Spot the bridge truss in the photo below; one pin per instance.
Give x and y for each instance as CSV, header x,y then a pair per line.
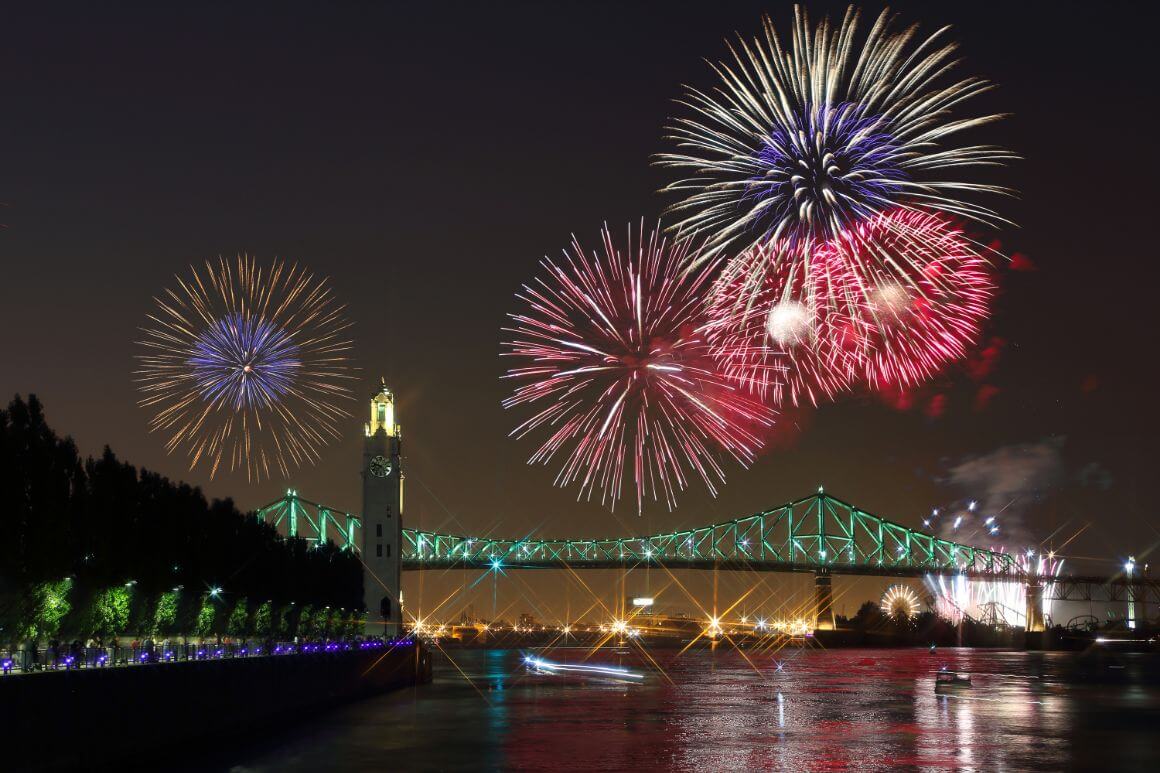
x,y
294,516
818,532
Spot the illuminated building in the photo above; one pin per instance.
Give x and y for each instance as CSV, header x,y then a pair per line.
x,y
382,510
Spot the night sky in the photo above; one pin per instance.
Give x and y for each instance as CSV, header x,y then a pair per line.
x,y
426,157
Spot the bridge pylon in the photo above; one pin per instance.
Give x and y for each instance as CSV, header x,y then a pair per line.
x,y
824,599
1034,618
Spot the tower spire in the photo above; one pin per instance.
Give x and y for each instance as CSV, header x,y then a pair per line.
x,y
382,516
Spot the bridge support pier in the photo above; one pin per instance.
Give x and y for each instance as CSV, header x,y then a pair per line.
x,y
823,600
1035,622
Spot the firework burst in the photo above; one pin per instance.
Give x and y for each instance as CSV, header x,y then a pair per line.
x,y
798,143
245,365
891,299
899,602
996,601
925,293
620,374
785,333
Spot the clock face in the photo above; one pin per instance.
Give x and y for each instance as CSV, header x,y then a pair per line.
x,y
380,467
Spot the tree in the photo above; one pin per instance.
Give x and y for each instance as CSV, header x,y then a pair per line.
x,y
105,524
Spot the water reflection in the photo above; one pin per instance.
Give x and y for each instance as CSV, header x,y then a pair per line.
x,y
720,711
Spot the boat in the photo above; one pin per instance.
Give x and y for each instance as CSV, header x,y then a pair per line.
x,y
946,678
580,672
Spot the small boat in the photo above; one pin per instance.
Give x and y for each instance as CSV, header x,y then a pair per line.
x,y
947,678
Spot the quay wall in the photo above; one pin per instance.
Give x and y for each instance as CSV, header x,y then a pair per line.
x,y
87,718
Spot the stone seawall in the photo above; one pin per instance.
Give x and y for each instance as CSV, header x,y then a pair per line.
x,y
108,716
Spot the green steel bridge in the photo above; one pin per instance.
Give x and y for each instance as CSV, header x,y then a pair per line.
x,y
819,534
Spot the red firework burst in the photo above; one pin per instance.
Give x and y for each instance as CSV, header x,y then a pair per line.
x,y
892,299
788,330
926,289
621,374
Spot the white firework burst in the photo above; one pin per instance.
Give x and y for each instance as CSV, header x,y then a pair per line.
x,y
796,142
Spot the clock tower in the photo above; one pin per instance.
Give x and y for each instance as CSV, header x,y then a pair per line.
x,y
382,515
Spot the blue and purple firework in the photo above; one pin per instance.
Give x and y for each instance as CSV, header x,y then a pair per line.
x,y
831,168
799,140
245,362
246,365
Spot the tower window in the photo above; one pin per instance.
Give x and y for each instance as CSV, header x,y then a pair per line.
x,y
388,551
378,530
379,550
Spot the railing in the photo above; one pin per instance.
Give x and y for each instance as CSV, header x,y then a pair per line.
x,y
67,658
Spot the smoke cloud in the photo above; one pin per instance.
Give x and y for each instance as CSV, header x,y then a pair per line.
x,y
1010,479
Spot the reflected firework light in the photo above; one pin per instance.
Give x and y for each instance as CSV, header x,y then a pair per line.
x,y
246,364
800,140
615,363
786,334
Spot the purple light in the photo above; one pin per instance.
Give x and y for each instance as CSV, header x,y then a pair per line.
x,y
244,362
851,174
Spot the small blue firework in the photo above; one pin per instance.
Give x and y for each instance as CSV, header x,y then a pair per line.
x,y
246,366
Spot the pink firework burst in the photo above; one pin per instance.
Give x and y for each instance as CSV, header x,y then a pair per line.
x,y
926,293
614,361
787,330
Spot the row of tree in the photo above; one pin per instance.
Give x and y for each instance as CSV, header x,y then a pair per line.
x,y
94,546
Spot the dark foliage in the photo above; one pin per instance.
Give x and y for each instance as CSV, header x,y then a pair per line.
x,y
104,523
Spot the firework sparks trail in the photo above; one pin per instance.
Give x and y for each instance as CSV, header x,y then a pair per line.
x,y
957,597
926,291
798,142
615,363
784,333
891,299
246,365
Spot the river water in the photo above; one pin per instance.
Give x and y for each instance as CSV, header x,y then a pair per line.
x,y
799,709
